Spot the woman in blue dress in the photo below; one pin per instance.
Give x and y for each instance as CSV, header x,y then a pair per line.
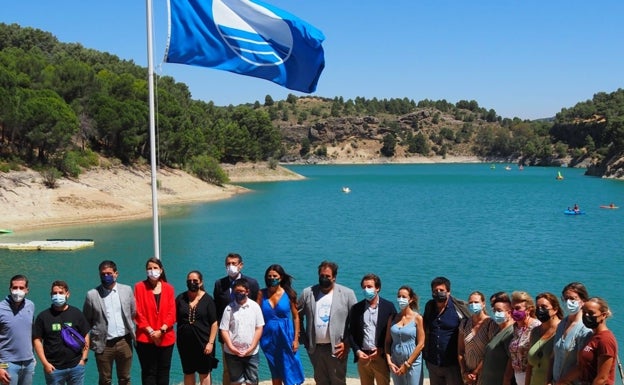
x,y
405,340
278,342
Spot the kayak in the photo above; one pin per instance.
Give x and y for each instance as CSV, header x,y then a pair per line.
x,y
573,212
609,207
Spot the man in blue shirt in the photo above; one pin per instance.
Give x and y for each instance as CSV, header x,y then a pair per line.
x,y
17,362
442,316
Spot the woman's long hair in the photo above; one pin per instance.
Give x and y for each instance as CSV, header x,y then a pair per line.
x,y
285,281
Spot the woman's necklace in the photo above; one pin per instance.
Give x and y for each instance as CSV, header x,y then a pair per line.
x,y
193,308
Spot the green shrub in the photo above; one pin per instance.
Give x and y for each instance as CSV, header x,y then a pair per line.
x,y
50,177
273,163
321,151
73,162
208,169
69,164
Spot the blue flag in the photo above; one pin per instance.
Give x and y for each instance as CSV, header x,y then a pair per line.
x,y
246,37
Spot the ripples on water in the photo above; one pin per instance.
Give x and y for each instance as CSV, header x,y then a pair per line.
x,y
484,229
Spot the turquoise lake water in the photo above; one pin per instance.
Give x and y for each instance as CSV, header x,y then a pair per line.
x,y
484,229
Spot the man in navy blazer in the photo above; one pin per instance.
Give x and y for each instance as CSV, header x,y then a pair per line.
x,y
368,322
324,311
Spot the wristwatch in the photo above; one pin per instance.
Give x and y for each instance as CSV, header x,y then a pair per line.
x,y
84,360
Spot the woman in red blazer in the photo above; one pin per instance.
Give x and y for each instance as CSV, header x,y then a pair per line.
x,y
155,316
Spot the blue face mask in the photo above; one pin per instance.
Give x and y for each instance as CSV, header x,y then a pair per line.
x,y
59,300
240,297
107,280
369,293
500,317
272,282
475,308
402,302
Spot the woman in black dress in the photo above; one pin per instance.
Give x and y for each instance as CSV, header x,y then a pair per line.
x,y
197,330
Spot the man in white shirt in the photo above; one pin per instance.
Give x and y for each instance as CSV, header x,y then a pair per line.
x,y
324,311
241,329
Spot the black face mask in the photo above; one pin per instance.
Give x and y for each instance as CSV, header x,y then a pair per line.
x,y
590,321
542,315
325,282
192,286
272,282
439,296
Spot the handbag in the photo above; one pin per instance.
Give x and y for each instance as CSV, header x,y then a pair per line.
x,y
72,338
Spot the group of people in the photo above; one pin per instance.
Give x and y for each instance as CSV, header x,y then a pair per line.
x,y
524,342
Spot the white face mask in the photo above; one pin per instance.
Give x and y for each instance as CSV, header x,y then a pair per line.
x,y
573,306
153,274
18,295
232,271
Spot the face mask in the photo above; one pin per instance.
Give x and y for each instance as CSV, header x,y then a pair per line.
x,y
573,306
232,271
107,280
272,282
192,286
590,321
240,297
325,282
439,296
542,314
475,308
500,317
518,315
59,300
153,274
369,293
18,295
403,302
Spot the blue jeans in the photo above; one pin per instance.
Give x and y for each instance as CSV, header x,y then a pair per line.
x,y
73,376
21,372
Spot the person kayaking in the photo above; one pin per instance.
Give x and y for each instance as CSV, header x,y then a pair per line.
x,y
576,208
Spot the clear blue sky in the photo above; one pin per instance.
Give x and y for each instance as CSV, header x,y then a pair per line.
x,y
526,59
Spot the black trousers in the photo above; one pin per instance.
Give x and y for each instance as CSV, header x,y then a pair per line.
x,y
155,363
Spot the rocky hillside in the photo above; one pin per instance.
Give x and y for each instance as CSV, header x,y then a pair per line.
x,y
333,130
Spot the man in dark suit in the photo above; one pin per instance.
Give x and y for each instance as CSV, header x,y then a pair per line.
x,y
368,322
223,294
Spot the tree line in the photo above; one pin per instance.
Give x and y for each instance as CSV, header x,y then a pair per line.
x,y
61,99
62,104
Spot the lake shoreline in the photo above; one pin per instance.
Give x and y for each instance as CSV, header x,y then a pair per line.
x,y
123,193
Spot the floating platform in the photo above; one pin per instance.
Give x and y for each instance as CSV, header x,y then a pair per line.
x,y
50,245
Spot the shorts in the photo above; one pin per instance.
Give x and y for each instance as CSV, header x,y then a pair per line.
x,y
243,370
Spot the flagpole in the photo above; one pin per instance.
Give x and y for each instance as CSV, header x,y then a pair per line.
x,y
152,129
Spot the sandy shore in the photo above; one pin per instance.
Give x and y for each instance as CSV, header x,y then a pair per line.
x,y
124,193
115,194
